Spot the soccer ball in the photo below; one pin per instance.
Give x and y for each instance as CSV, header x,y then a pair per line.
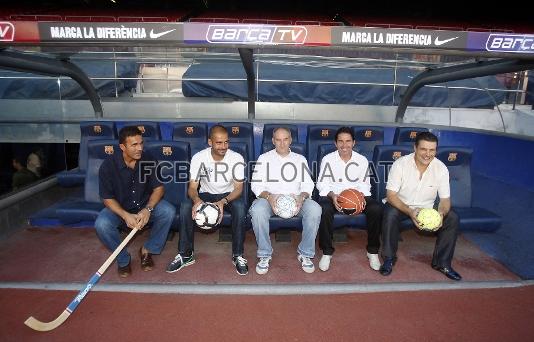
x,y
286,206
429,219
207,215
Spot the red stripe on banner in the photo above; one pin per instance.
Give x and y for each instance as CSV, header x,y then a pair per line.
x,y
26,32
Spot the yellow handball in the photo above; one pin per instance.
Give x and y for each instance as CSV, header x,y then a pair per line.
x,y
429,219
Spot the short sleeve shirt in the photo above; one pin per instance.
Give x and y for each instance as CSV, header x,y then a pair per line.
x,y
217,177
418,192
130,187
337,175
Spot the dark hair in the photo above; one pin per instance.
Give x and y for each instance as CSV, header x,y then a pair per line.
x,y
344,129
217,127
128,131
426,136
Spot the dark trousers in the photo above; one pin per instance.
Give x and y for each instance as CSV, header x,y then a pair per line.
x,y
373,212
236,208
446,236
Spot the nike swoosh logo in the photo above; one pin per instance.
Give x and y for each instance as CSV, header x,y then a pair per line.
x,y
439,42
157,35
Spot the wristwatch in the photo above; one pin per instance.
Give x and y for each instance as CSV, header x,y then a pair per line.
x,y
150,209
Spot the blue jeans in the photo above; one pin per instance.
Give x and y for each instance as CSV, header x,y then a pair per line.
x,y
261,211
108,223
187,231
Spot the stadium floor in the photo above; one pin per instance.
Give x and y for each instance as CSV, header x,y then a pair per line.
x,y
44,267
64,255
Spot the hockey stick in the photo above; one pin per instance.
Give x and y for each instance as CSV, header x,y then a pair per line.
x,y
35,324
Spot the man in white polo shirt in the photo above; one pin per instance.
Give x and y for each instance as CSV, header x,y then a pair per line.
x,y
282,172
220,173
414,182
340,170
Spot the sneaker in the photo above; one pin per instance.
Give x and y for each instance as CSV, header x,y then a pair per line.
x,y
180,262
263,265
374,261
306,263
240,264
324,264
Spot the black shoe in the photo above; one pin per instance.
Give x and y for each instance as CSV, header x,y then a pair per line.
x,y
449,272
387,266
125,271
240,265
180,262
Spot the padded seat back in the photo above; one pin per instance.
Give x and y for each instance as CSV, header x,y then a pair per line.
x,y
458,161
98,151
318,135
367,137
93,130
241,132
194,133
173,167
406,135
383,158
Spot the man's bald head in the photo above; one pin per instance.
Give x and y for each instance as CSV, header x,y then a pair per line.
x,y
217,129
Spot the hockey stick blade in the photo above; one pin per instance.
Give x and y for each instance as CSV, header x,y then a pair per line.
x,y
35,324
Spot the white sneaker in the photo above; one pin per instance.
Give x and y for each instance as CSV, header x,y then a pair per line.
x,y
262,266
306,263
374,261
324,264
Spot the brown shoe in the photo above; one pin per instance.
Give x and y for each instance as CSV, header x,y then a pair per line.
x,y
125,271
146,260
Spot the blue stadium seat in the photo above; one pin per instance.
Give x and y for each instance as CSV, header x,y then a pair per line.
x,y
88,208
458,161
367,137
173,166
406,135
383,158
268,132
241,132
90,130
340,220
195,133
318,135
150,129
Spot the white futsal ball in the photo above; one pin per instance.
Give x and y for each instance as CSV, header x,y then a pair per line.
x,y
207,215
286,206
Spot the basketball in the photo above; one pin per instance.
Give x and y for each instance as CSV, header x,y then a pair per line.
x,y
429,219
286,206
351,201
207,215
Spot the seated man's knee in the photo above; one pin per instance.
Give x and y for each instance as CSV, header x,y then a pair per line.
x,y
259,210
166,208
453,218
375,209
186,207
103,224
238,208
312,208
